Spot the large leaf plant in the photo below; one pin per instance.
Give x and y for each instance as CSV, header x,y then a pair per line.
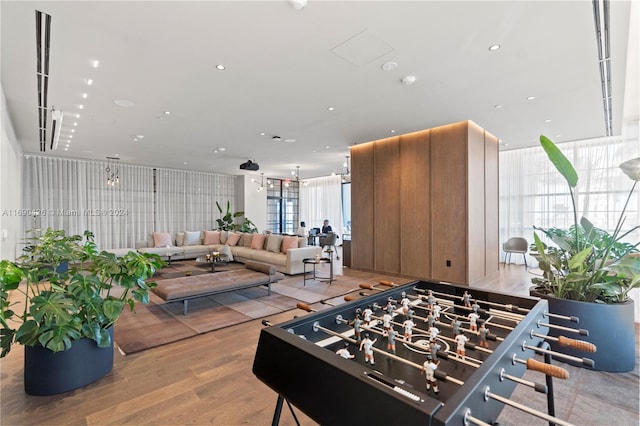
x,y
69,290
587,264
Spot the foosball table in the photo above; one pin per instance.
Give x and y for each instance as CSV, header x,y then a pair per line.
x,y
409,334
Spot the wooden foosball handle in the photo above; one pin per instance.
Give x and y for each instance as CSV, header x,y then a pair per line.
x,y
580,345
548,369
387,283
304,307
366,286
349,298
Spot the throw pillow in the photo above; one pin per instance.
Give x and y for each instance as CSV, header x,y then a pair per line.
x,y
191,238
233,239
161,239
179,239
211,237
257,242
274,243
223,237
289,242
246,239
226,250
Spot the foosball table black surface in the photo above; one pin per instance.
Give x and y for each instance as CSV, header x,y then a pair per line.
x,y
298,359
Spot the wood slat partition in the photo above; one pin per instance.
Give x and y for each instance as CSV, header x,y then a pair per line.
x,y
415,202
387,206
425,204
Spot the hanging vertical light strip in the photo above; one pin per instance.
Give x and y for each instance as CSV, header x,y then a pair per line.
x,y
43,42
113,171
601,20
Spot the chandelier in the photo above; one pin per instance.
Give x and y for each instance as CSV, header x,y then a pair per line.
x,y
261,184
113,171
346,171
296,177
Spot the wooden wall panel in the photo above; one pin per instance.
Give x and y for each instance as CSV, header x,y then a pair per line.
x,y
476,201
362,208
415,202
492,200
386,215
449,202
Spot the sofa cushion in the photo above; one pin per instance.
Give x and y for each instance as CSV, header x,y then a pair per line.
x,y
211,237
162,239
192,238
246,239
233,239
223,237
226,250
274,242
257,242
289,242
180,239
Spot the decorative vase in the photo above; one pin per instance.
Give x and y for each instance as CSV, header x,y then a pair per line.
x,y
611,328
50,373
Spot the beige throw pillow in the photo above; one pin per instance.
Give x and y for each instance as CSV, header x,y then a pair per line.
x,y
162,239
274,243
191,238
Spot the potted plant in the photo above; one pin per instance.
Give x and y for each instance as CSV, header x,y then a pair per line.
x,y
589,273
66,314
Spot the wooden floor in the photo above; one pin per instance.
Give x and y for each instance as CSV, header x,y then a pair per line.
x,y
206,379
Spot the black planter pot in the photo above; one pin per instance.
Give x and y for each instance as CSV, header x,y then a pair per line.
x,y
611,328
50,373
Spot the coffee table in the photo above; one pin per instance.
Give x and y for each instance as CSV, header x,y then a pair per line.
x,y
211,260
317,261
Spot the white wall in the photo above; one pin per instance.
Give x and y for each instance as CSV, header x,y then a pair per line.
x,y
253,203
11,163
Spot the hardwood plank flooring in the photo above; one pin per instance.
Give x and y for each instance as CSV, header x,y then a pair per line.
x,y
207,379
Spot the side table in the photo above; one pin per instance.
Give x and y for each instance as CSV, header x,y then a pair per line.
x,y
315,262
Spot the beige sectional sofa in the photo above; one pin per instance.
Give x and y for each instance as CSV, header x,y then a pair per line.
x,y
282,251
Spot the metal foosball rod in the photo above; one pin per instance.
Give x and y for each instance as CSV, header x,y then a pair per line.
x,y
538,387
506,306
587,362
564,317
548,369
580,331
490,395
580,345
469,419
439,374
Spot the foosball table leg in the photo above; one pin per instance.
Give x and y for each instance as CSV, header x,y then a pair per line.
x,y
278,411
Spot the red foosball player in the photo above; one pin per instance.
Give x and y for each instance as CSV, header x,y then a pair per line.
x,y
461,339
483,332
429,369
344,352
368,348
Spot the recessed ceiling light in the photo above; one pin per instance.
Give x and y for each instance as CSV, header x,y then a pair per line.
x,y
123,103
389,66
80,106
84,95
393,131
557,136
327,147
221,67
290,140
494,47
73,130
95,63
222,149
262,134
135,139
75,124
89,82
70,136
185,163
140,136
167,113
330,108
408,80
530,98
66,149
497,106
547,120
77,115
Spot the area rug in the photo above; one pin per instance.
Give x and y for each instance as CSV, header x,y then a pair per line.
x,y
159,323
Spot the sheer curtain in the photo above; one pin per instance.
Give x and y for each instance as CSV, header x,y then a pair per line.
x,y
186,201
321,199
73,195
532,192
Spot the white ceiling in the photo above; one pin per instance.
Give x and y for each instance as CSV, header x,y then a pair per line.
x,y
285,67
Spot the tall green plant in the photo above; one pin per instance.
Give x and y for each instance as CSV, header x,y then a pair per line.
x,y
60,305
226,221
589,264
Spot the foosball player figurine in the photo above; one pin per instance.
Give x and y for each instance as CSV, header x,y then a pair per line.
x,y
473,321
436,310
466,299
344,352
433,332
357,327
410,313
430,320
455,325
408,328
431,299
461,339
428,369
475,306
368,348
390,308
483,332
434,347
386,323
405,304
366,314
391,342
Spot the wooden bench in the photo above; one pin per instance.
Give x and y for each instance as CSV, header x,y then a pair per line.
x,y
183,289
